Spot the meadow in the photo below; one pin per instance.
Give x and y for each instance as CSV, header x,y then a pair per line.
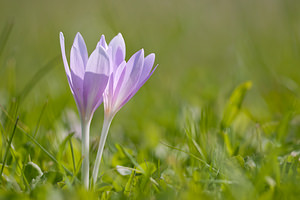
x,y
218,119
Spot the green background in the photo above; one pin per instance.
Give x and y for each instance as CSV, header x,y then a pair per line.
x,y
204,49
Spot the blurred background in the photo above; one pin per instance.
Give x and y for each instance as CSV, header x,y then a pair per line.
x,y
204,48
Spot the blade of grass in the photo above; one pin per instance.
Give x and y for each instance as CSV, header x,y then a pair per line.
x,y
39,119
73,157
38,76
131,158
5,35
46,152
20,124
38,144
8,147
192,155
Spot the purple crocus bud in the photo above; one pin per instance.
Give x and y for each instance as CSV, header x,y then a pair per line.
x,y
125,80
88,78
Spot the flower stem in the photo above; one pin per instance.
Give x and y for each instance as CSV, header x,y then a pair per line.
x,y
85,131
105,128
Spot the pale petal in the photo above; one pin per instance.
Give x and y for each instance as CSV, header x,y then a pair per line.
x,y
102,42
76,62
148,64
63,52
98,62
80,45
117,74
134,68
119,79
77,74
95,80
94,86
140,84
117,45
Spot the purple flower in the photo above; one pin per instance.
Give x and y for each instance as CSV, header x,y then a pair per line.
x,y
125,80
87,76
126,77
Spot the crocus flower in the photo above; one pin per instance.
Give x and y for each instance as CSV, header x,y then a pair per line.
x,y
125,80
88,78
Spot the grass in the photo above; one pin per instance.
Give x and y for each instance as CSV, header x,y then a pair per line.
x,y
219,119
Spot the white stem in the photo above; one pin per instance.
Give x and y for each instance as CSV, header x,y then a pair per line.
x,y
85,133
105,128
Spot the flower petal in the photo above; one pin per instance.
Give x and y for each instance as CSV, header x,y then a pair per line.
x,y
118,79
134,68
63,52
139,85
118,49
80,45
148,64
102,42
98,62
77,74
95,80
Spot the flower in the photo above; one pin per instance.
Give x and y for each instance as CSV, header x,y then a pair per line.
x,y
125,80
126,77
87,76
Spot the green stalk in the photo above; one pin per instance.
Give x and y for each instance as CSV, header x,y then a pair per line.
x,y
85,132
105,128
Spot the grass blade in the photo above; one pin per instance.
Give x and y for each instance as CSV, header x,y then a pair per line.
x,y
39,120
38,144
38,76
8,147
192,155
73,156
5,35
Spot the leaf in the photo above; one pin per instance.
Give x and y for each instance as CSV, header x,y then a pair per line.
x,y
130,185
123,170
234,104
147,167
52,177
32,171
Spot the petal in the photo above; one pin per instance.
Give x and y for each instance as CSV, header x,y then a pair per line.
x,y
119,79
134,68
148,64
102,42
77,74
94,86
141,83
75,82
80,45
76,63
117,74
138,87
95,80
97,62
78,58
117,45
63,52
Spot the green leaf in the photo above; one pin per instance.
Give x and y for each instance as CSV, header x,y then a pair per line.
x,y
130,185
52,177
147,167
234,104
32,171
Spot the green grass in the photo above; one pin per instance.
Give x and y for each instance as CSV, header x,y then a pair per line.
x,y
219,119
